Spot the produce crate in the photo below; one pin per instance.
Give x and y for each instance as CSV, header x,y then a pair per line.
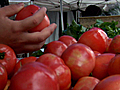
x,y
88,21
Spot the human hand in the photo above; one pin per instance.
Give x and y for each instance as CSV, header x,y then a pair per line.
x,y
15,33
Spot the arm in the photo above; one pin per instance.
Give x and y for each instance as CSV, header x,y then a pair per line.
x,y
15,33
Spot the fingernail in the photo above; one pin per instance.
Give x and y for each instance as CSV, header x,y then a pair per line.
x,y
20,4
45,9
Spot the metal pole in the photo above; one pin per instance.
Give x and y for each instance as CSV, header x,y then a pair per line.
x,y
61,12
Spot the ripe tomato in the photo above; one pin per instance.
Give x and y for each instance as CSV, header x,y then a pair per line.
x,y
109,40
24,61
109,83
68,40
3,77
114,65
34,76
80,59
95,38
62,71
29,11
7,58
55,47
50,59
114,46
86,83
101,65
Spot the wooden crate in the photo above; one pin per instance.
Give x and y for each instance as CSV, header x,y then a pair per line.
x,y
88,21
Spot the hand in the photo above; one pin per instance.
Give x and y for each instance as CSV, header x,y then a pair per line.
x,y
15,33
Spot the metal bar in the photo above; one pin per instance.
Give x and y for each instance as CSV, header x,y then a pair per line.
x,y
61,12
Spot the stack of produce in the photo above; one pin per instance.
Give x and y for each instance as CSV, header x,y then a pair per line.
x,y
90,62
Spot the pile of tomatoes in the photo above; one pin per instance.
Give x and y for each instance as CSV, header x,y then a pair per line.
x,y
91,63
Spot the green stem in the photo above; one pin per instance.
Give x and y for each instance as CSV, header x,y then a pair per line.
x,y
2,55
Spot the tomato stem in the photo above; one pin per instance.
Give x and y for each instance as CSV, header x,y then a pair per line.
x,y
2,55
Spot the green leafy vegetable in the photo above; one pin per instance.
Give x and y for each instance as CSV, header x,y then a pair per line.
x,y
37,53
109,27
75,30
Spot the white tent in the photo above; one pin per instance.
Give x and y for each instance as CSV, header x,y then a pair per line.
x,y
54,5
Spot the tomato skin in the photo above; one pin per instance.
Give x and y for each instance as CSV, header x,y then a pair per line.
x,y
34,76
55,47
114,65
58,66
29,11
109,40
68,40
109,83
3,77
101,65
51,59
80,59
86,83
9,60
114,46
24,61
95,38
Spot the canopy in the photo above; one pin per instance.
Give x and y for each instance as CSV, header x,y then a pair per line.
x,y
54,5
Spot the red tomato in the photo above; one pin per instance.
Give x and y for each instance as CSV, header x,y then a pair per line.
x,y
50,59
34,76
3,77
24,61
114,46
29,11
114,65
68,40
57,65
55,47
109,83
7,57
101,65
108,44
80,59
86,83
95,38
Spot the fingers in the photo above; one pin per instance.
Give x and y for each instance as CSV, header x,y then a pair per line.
x,y
37,37
11,9
29,48
32,21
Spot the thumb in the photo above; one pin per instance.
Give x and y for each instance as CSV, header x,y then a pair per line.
x,y
11,10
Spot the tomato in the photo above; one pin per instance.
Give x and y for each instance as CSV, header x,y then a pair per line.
x,y
24,61
86,83
114,46
34,76
62,71
29,11
101,65
80,59
114,65
109,83
55,47
3,77
7,58
95,38
68,40
109,40
50,59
